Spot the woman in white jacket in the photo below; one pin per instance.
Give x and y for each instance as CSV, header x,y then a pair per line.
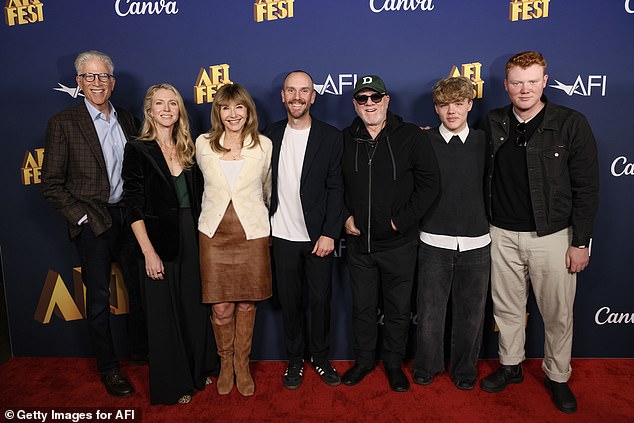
x,y
234,229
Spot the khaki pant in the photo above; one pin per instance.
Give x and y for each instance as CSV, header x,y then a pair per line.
x,y
517,260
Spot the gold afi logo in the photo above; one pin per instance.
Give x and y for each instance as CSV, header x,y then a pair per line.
x,y
270,10
55,297
22,12
208,82
31,170
528,9
471,71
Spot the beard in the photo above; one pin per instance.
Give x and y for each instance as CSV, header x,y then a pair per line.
x,y
296,113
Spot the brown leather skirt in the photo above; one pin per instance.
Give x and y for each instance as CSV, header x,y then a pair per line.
x,y
233,268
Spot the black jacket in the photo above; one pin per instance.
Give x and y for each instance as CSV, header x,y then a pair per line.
x,y
149,195
321,185
399,184
563,169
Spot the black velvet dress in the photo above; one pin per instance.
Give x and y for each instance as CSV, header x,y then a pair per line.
x,y
181,342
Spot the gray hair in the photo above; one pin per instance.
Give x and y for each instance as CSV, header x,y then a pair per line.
x,y
85,56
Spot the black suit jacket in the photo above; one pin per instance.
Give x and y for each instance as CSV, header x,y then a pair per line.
x,y
321,185
74,173
150,195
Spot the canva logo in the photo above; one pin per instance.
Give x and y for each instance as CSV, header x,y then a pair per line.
x,y
378,6
21,12
336,85
628,8
271,10
583,87
605,316
133,7
620,167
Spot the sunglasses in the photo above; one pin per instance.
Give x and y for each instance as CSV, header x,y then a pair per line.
x,y
521,140
362,99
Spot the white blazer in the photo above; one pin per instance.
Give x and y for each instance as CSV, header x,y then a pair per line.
x,y
251,194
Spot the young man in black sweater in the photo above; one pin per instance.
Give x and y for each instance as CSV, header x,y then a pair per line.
x,y
454,253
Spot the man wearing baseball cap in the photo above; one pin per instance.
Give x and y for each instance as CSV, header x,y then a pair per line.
x,y
391,179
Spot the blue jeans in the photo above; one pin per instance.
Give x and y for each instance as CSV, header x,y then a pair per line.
x,y
465,276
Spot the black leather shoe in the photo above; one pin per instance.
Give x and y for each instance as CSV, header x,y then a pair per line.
x,y
116,385
563,398
504,375
398,380
356,374
465,384
421,378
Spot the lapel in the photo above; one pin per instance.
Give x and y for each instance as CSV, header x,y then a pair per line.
x,y
276,135
87,128
156,159
312,147
252,158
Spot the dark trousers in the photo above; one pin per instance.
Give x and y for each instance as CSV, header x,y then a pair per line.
x,y
294,266
464,275
96,254
391,272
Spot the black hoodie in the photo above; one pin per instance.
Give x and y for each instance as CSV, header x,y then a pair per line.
x,y
394,177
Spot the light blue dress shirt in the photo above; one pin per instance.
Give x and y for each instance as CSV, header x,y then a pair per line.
x,y
112,140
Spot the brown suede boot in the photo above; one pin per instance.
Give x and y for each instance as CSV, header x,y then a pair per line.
x,y
224,340
244,334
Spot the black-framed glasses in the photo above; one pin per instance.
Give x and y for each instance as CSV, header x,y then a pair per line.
x,y
362,99
89,77
521,140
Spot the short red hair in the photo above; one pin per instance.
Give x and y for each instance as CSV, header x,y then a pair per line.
x,y
526,59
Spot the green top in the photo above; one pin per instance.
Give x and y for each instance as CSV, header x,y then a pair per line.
x,y
180,183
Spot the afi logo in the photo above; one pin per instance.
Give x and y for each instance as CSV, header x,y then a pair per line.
x,y
528,9
23,12
31,170
585,90
270,10
473,72
73,92
336,85
209,82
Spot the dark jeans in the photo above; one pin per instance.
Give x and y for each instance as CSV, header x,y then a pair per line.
x,y
464,275
295,264
96,254
392,273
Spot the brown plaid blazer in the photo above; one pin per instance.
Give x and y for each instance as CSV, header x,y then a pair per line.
x,y
74,174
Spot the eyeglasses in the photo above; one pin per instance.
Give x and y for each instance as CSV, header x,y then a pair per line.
x,y
376,98
521,140
89,77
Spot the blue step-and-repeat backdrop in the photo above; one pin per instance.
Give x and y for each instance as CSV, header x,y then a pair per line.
x,y
197,45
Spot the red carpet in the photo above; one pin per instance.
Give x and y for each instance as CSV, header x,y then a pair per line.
x,y
604,390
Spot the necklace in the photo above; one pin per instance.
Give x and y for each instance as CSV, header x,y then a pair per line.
x,y
234,151
168,152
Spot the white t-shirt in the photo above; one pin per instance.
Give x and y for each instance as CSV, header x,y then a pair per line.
x,y
231,169
288,221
